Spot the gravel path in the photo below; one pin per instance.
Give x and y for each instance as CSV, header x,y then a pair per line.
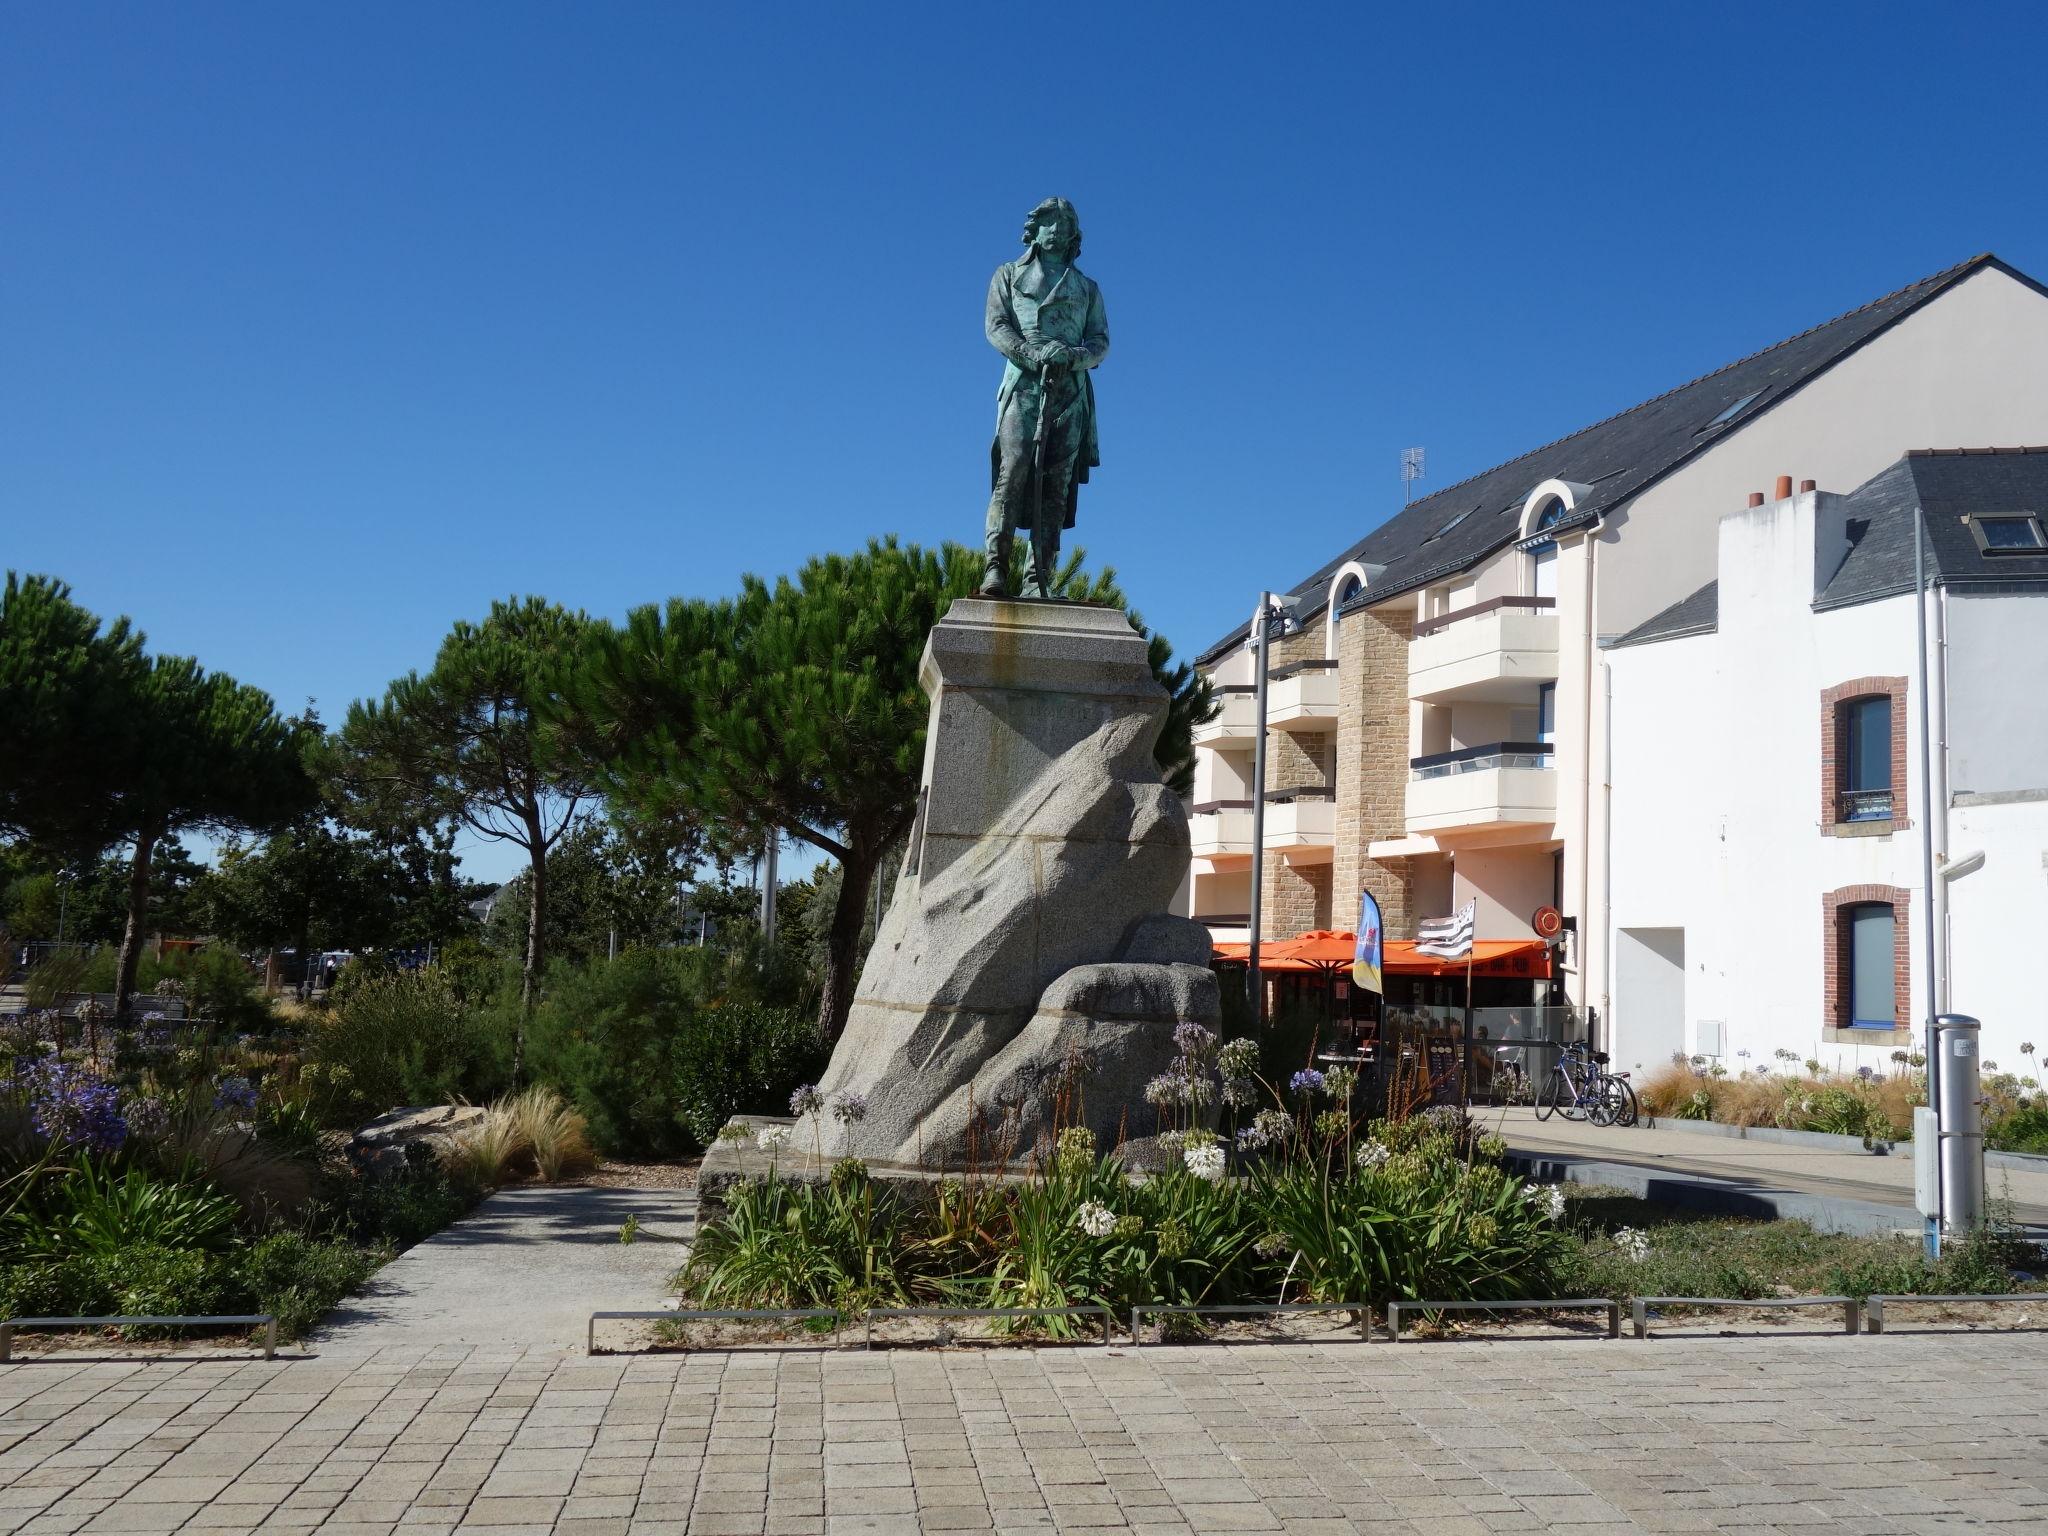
x,y
526,1268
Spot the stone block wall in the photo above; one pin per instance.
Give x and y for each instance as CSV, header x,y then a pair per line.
x,y
1372,767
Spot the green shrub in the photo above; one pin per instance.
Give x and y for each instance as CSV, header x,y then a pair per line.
x,y
298,1278
389,1214
657,1048
148,1279
2023,1130
403,1039
738,1059
90,1211
75,1287
605,1034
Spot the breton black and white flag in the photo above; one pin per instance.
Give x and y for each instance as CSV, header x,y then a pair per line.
x,y
1448,938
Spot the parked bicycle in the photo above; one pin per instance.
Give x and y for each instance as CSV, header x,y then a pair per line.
x,y
1581,1088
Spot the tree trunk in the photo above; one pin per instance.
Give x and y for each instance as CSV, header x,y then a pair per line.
x,y
536,918
865,850
138,918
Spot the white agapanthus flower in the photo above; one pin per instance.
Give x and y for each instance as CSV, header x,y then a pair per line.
x,y
1371,1154
772,1138
1634,1243
1547,1198
1095,1218
1204,1162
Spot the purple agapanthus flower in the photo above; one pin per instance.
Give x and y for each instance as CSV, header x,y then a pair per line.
x,y
1307,1080
234,1093
1192,1038
71,1106
806,1100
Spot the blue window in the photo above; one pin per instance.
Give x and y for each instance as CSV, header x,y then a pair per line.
x,y
1866,759
1872,1002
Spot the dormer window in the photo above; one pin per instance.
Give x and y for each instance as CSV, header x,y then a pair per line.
x,y
1543,555
2015,533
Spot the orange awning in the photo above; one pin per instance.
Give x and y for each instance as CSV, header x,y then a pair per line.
x,y
1326,951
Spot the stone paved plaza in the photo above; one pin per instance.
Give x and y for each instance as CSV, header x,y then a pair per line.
x,y
1808,1433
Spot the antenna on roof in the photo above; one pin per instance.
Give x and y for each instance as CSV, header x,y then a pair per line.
x,y
1411,471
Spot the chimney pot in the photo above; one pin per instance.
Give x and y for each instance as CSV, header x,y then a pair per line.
x,y
1784,488
1807,485
1756,498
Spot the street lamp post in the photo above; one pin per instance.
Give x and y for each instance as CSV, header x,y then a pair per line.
x,y
1273,619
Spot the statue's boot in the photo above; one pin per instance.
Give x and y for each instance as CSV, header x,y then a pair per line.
x,y
996,570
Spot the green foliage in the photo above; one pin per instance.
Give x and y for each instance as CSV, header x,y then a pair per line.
x,y
658,1048
741,1058
1425,1220
606,884
389,1214
469,742
2022,1130
67,693
93,1212
315,887
402,1038
840,1244
299,1279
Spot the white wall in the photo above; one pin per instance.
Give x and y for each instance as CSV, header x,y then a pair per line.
x,y
1716,801
1997,697
1649,989
1998,916
1508,884
1969,369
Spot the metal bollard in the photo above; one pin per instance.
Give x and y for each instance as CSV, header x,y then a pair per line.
x,y
1962,1122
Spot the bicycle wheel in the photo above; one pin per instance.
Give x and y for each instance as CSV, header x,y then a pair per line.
x,y
1601,1104
1548,1100
1624,1102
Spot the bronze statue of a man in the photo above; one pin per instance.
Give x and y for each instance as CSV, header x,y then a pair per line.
x,y
1046,318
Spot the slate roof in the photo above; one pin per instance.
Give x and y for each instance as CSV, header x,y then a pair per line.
x,y
1694,615
1948,484
1453,529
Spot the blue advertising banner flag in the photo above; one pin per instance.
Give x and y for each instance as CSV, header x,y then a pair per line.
x,y
1365,960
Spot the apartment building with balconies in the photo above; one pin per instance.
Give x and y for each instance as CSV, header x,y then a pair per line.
x,y
1449,717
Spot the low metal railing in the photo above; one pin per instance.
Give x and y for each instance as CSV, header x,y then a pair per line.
x,y
1873,1306
677,1315
1108,1318
1565,1304
1363,1310
267,1321
1639,1309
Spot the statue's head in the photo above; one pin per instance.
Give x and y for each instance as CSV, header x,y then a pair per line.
x,y
1054,226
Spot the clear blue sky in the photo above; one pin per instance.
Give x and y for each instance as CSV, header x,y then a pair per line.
x,y
323,326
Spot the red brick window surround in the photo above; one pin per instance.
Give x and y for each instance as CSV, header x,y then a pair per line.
x,y
1843,814
1837,936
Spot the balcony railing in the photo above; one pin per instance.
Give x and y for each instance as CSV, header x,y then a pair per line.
x,y
1863,805
1234,719
1499,754
1220,828
1491,605
1493,788
1303,696
1496,651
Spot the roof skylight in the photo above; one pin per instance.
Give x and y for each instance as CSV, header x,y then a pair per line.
x,y
1731,412
1447,527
